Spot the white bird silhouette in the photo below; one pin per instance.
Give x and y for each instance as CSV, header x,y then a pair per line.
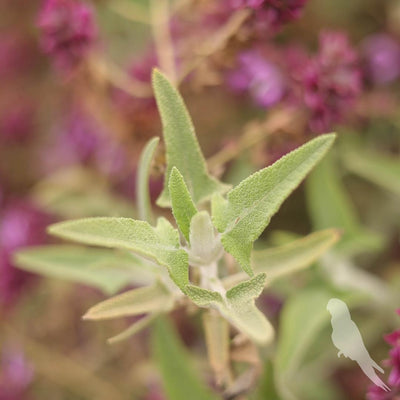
x,y
348,340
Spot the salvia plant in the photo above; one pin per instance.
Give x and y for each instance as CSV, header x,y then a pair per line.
x,y
189,262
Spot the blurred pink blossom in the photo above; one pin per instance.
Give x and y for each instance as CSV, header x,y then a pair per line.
x,y
382,58
21,224
258,77
330,81
68,31
377,393
15,374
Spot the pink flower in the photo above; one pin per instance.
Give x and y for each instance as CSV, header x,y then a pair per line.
x,y
82,139
382,58
258,77
21,225
331,81
15,374
377,393
68,31
268,15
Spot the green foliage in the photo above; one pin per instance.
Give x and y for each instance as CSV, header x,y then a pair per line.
x,y
155,298
160,244
289,258
302,319
292,257
237,221
182,204
379,169
106,270
183,150
330,207
142,183
252,203
180,380
205,247
238,307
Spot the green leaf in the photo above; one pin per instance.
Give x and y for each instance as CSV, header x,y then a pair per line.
x,y
238,307
379,169
142,184
180,380
301,321
155,298
205,246
247,290
183,150
203,297
105,269
133,329
254,201
160,244
182,204
330,207
287,259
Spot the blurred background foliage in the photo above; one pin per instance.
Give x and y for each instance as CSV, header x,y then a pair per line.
x,y
259,78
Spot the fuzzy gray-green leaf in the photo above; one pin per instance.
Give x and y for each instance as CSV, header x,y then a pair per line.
x,y
160,244
105,269
182,147
182,204
142,182
253,202
238,307
155,298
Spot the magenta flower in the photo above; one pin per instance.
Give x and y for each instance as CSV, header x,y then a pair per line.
x,y
255,4
331,81
21,225
15,374
377,393
68,31
81,139
17,122
268,16
258,77
382,58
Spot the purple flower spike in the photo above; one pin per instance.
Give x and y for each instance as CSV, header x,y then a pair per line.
x,y
382,58
68,31
331,81
377,393
258,77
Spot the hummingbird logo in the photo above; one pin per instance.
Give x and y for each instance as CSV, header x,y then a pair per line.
x,y
348,340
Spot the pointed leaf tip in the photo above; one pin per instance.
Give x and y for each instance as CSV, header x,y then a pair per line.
x,y
182,148
183,207
251,204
